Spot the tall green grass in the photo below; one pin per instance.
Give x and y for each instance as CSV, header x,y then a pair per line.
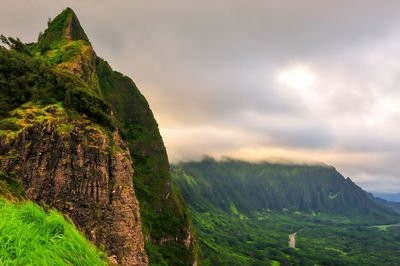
x,y
29,235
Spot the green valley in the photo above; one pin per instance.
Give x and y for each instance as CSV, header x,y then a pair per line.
x,y
244,213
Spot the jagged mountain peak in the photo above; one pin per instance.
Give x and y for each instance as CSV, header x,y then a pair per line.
x,y
65,26
64,44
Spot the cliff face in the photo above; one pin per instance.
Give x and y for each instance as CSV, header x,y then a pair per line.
x,y
76,167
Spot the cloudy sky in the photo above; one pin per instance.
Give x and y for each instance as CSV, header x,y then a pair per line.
x,y
300,80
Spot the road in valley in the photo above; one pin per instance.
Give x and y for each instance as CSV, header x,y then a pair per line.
x,y
292,242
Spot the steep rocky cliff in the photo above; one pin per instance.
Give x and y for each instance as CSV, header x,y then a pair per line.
x,y
79,169
81,137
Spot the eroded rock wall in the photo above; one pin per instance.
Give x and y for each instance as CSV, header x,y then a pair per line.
x,y
82,170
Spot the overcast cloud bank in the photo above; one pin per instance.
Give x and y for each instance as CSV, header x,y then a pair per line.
x,y
307,81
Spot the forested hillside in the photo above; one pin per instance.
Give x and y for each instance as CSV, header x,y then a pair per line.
x,y
244,213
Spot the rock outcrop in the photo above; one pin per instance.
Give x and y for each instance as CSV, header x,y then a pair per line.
x,y
82,170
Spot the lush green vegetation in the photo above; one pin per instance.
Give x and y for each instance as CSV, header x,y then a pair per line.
x,y
244,213
29,235
24,78
163,212
324,239
63,51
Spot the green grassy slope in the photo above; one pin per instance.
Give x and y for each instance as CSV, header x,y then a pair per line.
x,y
244,212
29,235
32,235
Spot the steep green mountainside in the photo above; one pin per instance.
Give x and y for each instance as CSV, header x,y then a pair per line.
x,y
244,213
62,72
164,214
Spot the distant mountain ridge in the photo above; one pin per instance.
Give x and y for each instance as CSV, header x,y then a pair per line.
x,y
394,197
394,206
247,187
